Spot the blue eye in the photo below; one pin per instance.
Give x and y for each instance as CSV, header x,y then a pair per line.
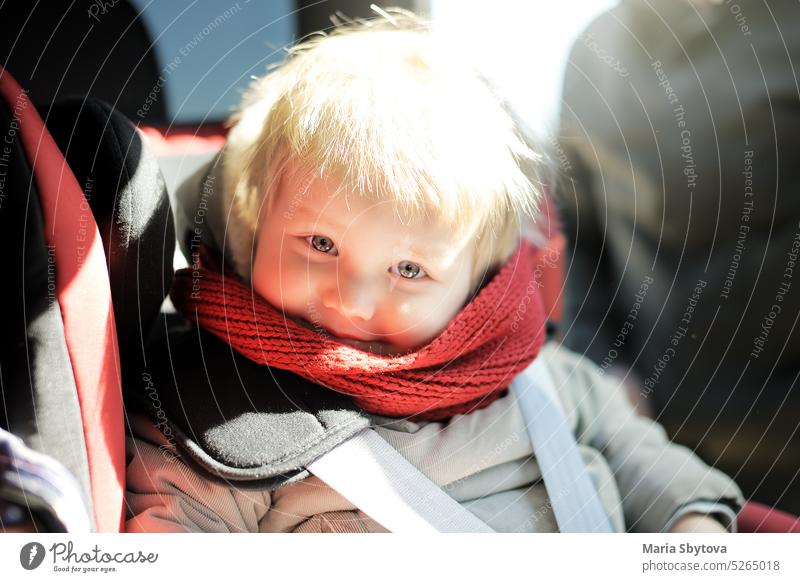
x,y
323,244
409,270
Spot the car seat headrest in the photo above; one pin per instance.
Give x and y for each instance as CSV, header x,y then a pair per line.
x,y
127,195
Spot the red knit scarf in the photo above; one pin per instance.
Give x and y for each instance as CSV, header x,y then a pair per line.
x,y
496,336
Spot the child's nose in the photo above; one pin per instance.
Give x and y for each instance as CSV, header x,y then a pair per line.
x,y
352,300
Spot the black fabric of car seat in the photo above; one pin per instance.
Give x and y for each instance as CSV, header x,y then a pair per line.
x,y
239,420
128,198
38,396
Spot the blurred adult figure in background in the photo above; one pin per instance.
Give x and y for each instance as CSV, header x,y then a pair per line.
x,y
681,200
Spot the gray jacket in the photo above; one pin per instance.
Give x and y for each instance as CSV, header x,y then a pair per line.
x,y
484,460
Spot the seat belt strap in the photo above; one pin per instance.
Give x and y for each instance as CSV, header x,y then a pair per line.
x,y
573,497
373,476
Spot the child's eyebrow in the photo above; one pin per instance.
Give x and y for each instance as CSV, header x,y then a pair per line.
x,y
317,218
426,253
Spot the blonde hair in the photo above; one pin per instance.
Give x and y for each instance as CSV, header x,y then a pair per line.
x,y
392,114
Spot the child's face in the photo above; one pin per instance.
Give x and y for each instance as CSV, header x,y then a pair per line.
x,y
349,266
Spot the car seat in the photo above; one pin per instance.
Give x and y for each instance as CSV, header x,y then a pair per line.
x,y
82,231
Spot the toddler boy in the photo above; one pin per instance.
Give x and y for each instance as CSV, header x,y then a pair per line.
x,y
370,200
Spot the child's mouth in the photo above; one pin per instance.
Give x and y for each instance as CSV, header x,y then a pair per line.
x,y
379,348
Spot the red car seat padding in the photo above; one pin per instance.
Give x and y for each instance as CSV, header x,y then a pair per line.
x,y
758,518
83,293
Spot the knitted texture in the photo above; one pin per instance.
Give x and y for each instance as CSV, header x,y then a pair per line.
x,y
467,366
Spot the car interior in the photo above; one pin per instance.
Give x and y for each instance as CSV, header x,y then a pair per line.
x,y
86,215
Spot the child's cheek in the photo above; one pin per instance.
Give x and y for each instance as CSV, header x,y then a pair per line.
x,y
296,284
279,279
418,321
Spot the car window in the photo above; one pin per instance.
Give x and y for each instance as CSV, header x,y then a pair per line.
x,y
207,51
